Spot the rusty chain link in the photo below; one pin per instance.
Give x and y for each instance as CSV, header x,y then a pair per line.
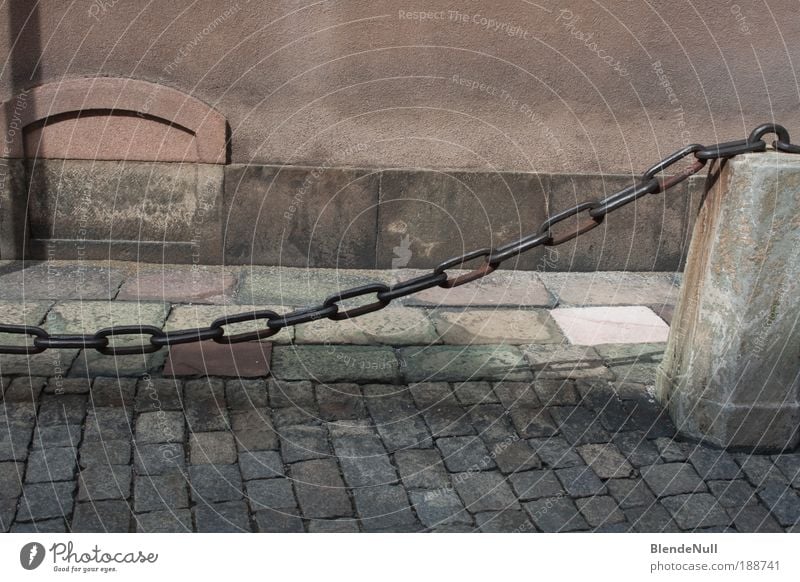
x,y
595,212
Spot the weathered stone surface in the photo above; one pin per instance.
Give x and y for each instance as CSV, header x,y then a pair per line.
x,y
260,465
672,479
580,482
55,280
556,452
213,483
492,424
11,476
484,491
498,326
102,482
160,427
473,393
270,494
335,363
439,507
610,288
301,443
730,373
212,448
556,514
396,418
282,521
606,461
168,521
754,519
245,394
501,288
630,493
513,456
600,510
160,492
736,493
696,510
320,489
422,469
463,454
194,316
51,464
226,517
565,361
112,424
208,358
459,364
332,526
341,401
536,485
635,363
397,326
153,394
315,217
102,517
783,502
41,501
511,521
155,459
384,508
591,326
195,284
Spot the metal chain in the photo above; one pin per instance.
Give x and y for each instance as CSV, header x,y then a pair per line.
x,y
593,212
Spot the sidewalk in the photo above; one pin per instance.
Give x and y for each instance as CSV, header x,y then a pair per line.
x,y
520,403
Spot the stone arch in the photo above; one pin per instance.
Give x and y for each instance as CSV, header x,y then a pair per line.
x,y
110,118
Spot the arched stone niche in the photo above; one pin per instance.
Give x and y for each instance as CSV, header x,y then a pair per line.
x,y
111,168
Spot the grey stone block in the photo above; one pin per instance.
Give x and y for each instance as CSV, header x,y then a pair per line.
x,y
103,482
102,517
696,510
383,508
278,521
160,492
212,483
105,453
556,514
260,465
672,479
320,489
301,443
226,517
270,494
56,464
512,521
422,469
155,459
536,485
460,364
484,491
167,521
42,501
580,482
439,507
462,454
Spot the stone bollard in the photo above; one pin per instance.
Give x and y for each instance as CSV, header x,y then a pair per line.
x,y
731,372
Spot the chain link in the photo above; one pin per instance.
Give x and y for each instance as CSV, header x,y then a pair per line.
x,y
491,259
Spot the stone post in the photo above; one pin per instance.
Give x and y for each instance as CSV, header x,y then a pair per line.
x,y
731,372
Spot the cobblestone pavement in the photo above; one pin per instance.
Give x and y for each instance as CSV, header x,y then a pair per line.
x,y
523,404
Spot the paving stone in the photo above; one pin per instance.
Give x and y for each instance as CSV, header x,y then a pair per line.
x,y
57,410
695,510
514,456
244,394
736,493
633,362
114,452
610,288
14,441
209,358
8,507
63,435
335,363
300,287
160,492
560,361
24,389
614,417
422,469
154,394
606,461
226,517
754,519
42,501
102,517
536,485
511,521
11,477
789,465
713,464
333,526
54,281
556,452
439,507
270,494
104,482
591,326
557,392
22,413
205,405
578,425
367,470
40,526
113,392
484,491
103,424
672,479
213,483
397,420
213,448
783,502
630,493
673,451
556,514
52,464
157,459
200,284
649,417
600,510
168,521
60,386
253,430
396,326
447,420
301,443
292,416
517,395
90,364
260,465
637,449
533,422
340,402
651,519
44,364
580,482
160,427
492,423
291,394
463,454
278,521
511,326
427,394
383,507
320,489
760,470
474,393
463,363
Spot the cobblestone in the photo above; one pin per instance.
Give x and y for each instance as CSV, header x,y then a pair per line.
x,y
580,482
695,510
42,501
606,461
270,494
736,493
213,483
783,502
463,364
156,459
511,521
213,448
556,452
260,465
52,464
104,482
102,516
463,454
672,479
301,443
168,491
320,489
439,508
63,435
278,521
484,491
422,469
384,507
600,510
167,521
226,517
536,485
114,452
556,514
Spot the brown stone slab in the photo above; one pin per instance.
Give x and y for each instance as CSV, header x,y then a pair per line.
x,y
244,360
212,285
